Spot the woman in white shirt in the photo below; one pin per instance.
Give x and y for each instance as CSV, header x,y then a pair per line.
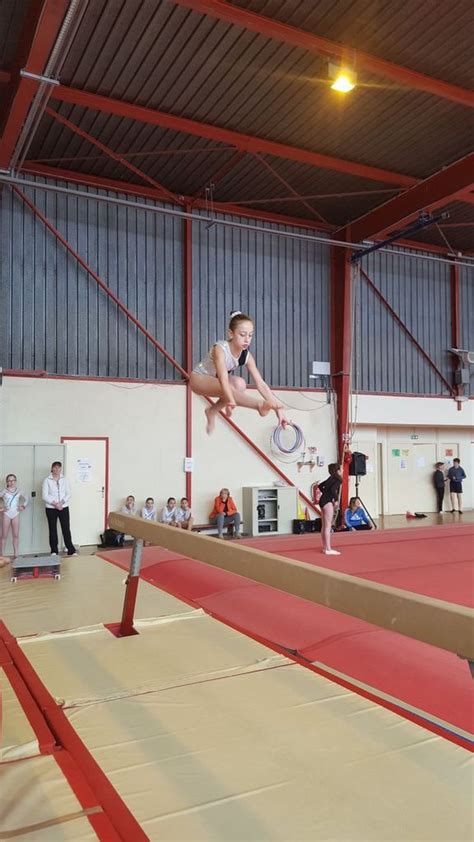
x,y
56,495
13,501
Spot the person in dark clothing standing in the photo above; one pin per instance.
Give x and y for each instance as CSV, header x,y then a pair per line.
x,y
456,475
439,481
328,501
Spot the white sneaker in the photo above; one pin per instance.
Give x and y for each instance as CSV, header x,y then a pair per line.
x,y
53,554
331,552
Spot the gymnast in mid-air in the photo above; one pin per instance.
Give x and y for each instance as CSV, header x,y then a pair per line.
x,y
213,376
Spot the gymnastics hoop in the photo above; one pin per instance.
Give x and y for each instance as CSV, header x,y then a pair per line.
x,y
276,442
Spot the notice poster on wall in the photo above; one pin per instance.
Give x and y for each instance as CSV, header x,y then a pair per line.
x,y
403,464
405,453
369,467
83,470
420,462
395,451
449,452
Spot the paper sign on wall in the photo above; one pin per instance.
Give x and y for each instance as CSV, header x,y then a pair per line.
x,y
83,470
405,453
369,467
420,462
448,452
395,451
403,464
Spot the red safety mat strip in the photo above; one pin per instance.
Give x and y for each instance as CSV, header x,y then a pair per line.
x,y
89,783
413,672
44,735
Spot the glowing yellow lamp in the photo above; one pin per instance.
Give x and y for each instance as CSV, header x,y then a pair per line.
x,y
343,83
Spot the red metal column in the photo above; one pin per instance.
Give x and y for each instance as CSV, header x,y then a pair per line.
x,y
50,17
188,346
455,324
341,349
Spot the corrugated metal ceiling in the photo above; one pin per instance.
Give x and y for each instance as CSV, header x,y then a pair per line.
x,y
178,61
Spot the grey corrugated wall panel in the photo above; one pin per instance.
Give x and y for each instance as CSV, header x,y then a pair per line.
x,y
54,314
386,360
466,306
466,318
283,284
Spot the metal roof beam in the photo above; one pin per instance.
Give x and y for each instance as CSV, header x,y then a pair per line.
x,y
166,194
104,183
42,33
244,142
288,186
439,189
286,34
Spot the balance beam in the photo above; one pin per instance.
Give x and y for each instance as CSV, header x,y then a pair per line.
x,y
433,621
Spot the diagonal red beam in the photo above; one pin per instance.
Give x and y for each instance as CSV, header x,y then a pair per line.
x,y
151,338
121,306
288,186
245,142
437,190
286,34
168,194
221,173
408,332
297,198
50,18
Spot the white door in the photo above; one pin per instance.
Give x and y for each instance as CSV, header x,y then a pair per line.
x,y
30,463
86,470
410,477
44,455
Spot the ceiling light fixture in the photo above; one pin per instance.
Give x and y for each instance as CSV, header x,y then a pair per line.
x,y
344,79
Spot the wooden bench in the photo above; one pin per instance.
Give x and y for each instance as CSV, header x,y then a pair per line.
x,y
210,527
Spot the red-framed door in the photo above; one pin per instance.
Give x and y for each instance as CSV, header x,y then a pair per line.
x,y
86,466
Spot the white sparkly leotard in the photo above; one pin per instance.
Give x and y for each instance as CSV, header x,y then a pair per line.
x,y
12,501
208,366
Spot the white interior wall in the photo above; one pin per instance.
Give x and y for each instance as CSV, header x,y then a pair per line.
x,y
146,427
145,424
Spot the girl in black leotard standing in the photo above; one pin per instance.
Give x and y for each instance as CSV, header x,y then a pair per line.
x,y
330,495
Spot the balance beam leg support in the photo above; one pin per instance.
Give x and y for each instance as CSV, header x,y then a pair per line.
x,y
423,618
128,613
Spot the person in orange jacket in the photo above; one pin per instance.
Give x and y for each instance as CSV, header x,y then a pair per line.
x,y
224,513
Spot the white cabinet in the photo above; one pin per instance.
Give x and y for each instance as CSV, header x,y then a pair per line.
x,y
269,509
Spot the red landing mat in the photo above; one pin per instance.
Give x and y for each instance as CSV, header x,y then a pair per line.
x,y
432,561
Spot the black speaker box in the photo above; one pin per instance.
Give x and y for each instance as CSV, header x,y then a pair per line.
x,y
357,465
301,526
